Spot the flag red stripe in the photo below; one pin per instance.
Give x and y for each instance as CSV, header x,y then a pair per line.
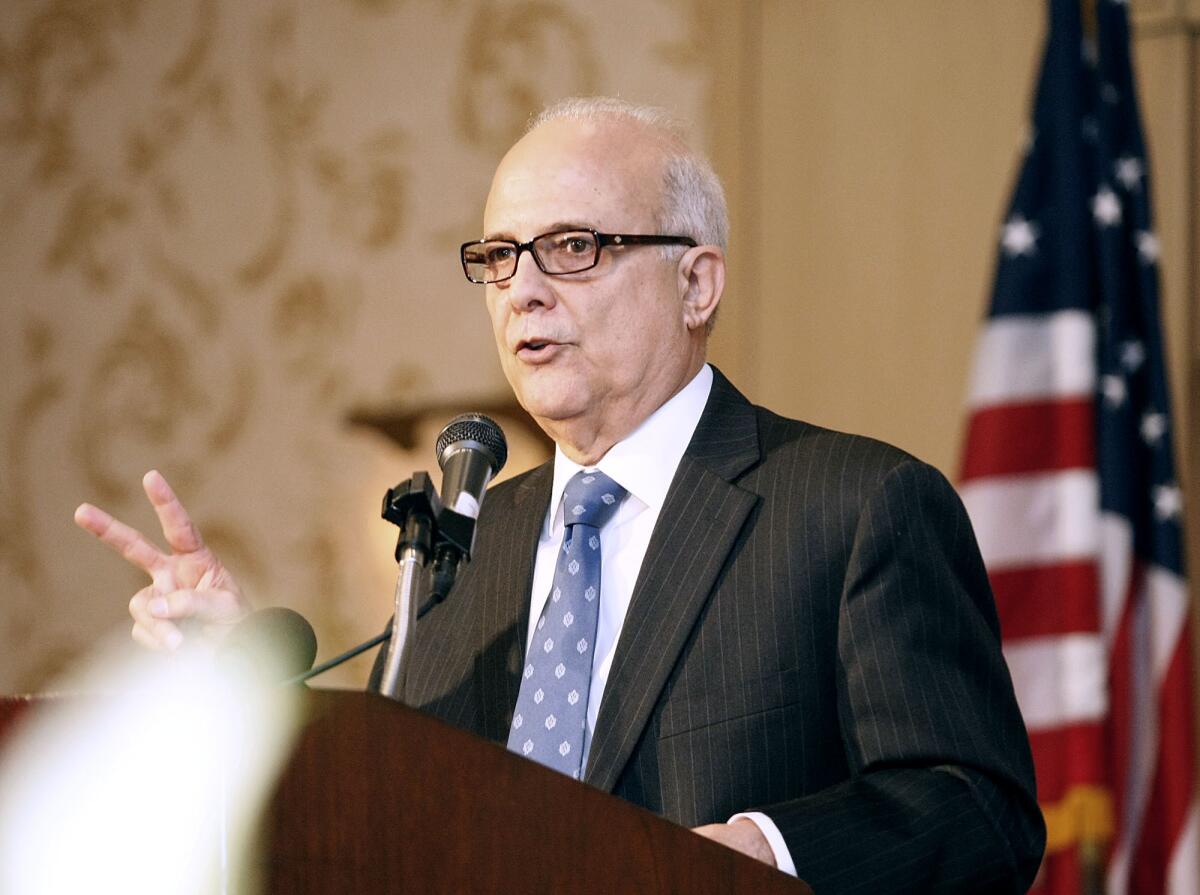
x,y
1038,601
1121,705
1060,875
1171,794
1035,437
1068,756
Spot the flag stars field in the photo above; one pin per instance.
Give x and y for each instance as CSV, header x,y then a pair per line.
x,y
1113,388
1129,171
1147,246
1106,207
1133,355
1019,237
1168,502
1154,426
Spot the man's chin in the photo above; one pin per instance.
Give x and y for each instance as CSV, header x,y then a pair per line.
x,y
548,406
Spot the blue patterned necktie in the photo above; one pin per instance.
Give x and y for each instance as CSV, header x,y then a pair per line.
x,y
551,713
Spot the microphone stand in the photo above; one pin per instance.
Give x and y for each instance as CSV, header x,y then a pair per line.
x,y
428,529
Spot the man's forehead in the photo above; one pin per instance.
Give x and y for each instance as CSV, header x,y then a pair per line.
x,y
544,199
576,173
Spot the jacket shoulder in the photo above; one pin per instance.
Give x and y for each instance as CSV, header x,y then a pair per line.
x,y
867,459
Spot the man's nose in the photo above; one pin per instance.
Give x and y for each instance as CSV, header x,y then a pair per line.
x,y
528,287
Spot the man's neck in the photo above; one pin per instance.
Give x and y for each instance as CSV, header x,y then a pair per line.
x,y
587,440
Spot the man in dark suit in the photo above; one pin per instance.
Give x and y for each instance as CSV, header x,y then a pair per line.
x,y
793,644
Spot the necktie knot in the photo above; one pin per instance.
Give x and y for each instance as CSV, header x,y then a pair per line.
x,y
591,498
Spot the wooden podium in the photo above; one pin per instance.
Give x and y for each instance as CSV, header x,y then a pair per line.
x,y
379,798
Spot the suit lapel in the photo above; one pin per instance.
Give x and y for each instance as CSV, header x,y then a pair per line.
x,y
506,586
700,522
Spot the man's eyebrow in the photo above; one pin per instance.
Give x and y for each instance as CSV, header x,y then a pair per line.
x,y
552,228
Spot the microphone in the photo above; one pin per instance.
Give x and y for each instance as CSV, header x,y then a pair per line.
x,y
275,644
470,451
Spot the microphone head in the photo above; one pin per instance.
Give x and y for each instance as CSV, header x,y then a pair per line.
x,y
277,642
473,430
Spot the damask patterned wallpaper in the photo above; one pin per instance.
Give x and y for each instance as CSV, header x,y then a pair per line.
x,y
227,226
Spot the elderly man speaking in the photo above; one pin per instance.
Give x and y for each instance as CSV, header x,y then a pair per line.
x,y
780,635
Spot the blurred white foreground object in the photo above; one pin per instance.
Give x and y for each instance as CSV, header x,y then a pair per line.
x,y
153,782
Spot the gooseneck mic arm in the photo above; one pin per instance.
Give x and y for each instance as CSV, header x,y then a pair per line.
x,y
354,651
341,658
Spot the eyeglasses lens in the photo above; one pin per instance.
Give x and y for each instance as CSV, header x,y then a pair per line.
x,y
566,252
569,251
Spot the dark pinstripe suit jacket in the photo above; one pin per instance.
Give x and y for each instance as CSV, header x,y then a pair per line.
x,y
812,635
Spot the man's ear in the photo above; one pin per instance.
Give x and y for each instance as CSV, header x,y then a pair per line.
x,y
701,282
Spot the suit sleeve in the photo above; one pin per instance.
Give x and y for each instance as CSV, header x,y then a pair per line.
x,y
941,796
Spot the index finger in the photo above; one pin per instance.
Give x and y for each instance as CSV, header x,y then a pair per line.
x,y
126,540
177,526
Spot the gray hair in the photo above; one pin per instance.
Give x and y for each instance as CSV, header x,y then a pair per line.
x,y
693,201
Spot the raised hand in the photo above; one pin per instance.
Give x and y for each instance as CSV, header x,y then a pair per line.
x,y
188,584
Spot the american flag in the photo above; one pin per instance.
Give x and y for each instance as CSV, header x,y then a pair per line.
x,y
1069,479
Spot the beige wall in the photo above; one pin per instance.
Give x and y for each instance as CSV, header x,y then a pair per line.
x,y
886,140
230,224
227,226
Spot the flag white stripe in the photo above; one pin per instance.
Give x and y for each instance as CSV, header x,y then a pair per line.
x,y
1144,732
1116,555
1035,519
1182,872
1158,621
1166,595
1159,618
1034,357
1059,680
1117,877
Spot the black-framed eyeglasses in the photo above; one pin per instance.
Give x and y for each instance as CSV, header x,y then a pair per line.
x,y
557,253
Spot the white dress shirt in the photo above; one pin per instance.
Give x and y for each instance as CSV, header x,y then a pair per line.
x,y
644,465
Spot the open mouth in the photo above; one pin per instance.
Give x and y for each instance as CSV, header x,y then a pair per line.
x,y
534,344
535,350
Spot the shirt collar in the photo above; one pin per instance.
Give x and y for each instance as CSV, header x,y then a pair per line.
x,y
643,463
